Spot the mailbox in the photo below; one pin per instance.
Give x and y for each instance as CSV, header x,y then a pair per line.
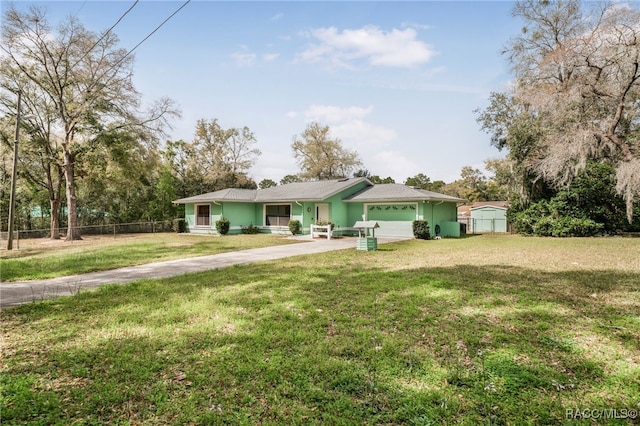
x,y
365,241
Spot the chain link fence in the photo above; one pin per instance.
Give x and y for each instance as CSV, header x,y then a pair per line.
x,y
104,229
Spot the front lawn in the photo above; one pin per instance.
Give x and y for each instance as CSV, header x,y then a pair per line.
x,y
44,258
482,330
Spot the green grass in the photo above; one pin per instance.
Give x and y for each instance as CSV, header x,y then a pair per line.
x,y
483,330
39,259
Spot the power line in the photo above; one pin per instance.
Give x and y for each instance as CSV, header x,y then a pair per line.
x,y
137,45
153,32
79,9
105,34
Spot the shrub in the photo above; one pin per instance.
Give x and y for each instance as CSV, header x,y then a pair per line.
x,y
421,229
223,225
250,229
550,219
575,227
179,225
325,222
295,226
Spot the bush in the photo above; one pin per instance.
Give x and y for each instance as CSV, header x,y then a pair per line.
x,y
179,225
549,219
421,229
223,225
575,227
295,226
325,222
250,229
586,207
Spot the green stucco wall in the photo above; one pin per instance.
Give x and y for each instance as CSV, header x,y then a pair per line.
x,y
189,215
238,214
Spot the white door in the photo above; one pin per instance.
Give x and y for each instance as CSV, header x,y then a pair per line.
x,y
322,212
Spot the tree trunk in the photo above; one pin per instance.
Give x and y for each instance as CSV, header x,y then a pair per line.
x,y
73,232
55,219
53,188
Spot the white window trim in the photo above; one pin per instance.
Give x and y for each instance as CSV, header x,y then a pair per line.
x,y
264,213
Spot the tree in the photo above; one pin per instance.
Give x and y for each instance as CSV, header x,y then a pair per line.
x,y
321,157
375,179
515,128
224,156
290,179
267,183
85,81
474,184
181,158
118,180
501,185
575,96
378,180
418,181
424,182
40,160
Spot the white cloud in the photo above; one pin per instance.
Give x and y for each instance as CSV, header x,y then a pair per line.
x,y
335,114
291,114
395,48
278,16
416,25
391,163
434,71
244,59
349,125
270,57
363,135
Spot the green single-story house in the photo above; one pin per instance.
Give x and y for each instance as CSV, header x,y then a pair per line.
x,y
340,201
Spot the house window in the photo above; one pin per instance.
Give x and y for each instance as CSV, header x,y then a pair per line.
x,y
277,214
203,215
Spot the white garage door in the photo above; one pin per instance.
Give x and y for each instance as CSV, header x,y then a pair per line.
x,y
395,220
394,229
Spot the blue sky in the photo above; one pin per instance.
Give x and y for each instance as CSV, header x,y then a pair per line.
x,y
396,81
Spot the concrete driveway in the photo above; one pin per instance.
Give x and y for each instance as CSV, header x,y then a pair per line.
x,y
21,292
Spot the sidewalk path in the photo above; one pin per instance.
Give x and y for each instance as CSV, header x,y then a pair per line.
x,y
21,292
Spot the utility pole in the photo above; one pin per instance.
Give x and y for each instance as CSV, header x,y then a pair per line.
x,y
12,200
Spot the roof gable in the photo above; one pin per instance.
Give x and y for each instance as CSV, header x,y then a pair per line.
x,y
399,192
229,194
308,191
498,204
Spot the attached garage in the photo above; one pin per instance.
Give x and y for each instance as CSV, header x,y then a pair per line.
x,y
395,207
395,220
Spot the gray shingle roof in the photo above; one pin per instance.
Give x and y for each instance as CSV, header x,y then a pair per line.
x,y
231,194
321,190
307,191
296,191
398,192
